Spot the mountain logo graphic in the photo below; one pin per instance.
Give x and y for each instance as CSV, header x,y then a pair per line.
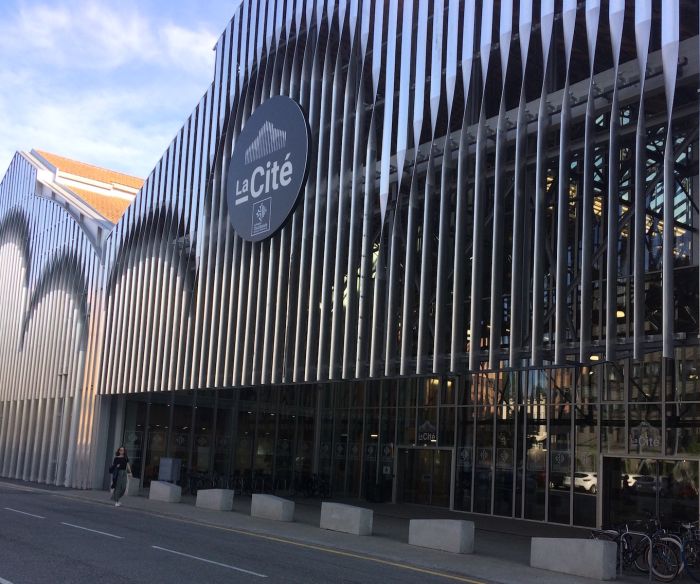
x,y
270,160
268,140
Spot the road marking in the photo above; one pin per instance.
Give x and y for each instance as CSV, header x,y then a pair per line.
x,y
156,547
408,567
356,556
3,581
23,513
93,530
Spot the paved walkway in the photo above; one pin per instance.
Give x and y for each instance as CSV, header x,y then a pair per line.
x,y
502,546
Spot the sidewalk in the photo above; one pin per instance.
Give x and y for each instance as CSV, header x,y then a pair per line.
x,y
502,546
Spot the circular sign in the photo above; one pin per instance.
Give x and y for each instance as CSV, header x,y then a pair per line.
x,y
268,168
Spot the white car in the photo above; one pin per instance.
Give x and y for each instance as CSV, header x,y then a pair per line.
x,y
632,479
586,481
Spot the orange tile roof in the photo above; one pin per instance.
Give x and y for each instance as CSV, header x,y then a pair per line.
x,y
111,208
91,172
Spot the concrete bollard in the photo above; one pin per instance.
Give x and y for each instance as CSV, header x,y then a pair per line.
x,y
216,499
346,518
591,558
271,507
167,492
133,486
450,535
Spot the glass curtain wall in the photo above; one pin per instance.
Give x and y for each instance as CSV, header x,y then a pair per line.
x,y
527,444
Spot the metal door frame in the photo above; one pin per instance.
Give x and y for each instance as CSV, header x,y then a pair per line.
x,y
450,449
660,458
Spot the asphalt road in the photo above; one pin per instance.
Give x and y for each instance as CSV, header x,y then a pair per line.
x,y
48,538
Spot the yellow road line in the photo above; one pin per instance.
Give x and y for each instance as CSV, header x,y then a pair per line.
x,y
332,551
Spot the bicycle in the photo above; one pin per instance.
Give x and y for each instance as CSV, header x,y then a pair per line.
x,y
199,480
689,537
651,549
632,547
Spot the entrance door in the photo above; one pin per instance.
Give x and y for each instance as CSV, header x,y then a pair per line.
x,y
424,476
635,488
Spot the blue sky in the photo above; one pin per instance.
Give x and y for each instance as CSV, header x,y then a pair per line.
x,y
104,82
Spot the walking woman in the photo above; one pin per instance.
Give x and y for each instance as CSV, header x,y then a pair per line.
x,y
120,469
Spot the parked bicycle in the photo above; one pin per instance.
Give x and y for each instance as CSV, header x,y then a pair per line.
x,y
688,536
200,480
311,485
647,548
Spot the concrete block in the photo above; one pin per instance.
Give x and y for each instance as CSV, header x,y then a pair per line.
x,y
450,535
217,499
591,558
133,485
161,491
346,518
271,507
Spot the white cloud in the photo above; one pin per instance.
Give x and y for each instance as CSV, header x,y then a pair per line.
x,y
105,83
192,50
89,34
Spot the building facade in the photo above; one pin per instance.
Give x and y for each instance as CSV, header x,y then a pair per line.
x,y
474,304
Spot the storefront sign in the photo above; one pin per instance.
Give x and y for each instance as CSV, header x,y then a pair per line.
x,y
427,432
268,168
645,438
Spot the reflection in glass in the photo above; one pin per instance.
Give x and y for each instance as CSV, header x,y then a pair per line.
x,y
614,382
484,461
683,429
535,461
504,462
560,482
588,383
134,433
613,429
464,453
686,385
340,452
585,482
159,419
645,429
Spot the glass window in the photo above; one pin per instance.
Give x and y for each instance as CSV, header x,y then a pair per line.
x,y
407,392
465,448
686,383
683,429
645,429
389,393
586,463
340,452
487,388
407,426
202,449
428,392
354,471
484,462
588,384
505,459
224,439
614,382
374,390
535,462
357,395
613,429
465,390
559,463
646,381
446,433
538,386
134,433
448,391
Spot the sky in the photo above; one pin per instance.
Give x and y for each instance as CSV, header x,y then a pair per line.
x,y
102,81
